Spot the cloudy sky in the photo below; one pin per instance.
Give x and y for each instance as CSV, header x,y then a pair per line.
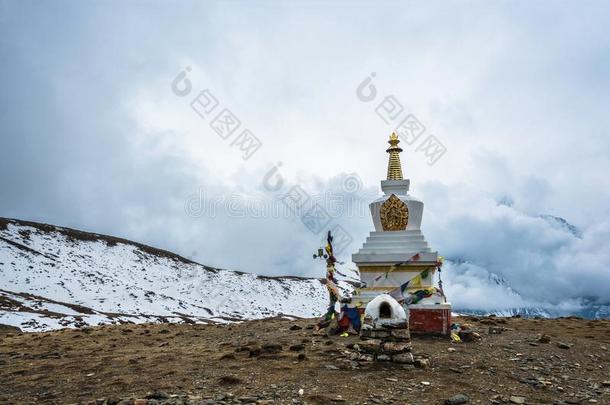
x,y
98,131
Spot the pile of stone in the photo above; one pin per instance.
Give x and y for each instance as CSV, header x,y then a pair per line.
x,y
384,335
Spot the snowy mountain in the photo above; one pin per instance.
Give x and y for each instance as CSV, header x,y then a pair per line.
x,y
474,288
462,273
561,223
524,311
53,277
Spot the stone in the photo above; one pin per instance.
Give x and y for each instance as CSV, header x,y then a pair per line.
x,y
544,339
451,349
517,400
295,327
271,347
301,357
468,335
457,400
365,332
426,383
563,345
248,400
297,347
140,402
374,333
421,363
606,383
383,357
495,330
395,325
401,334
496,399
157,395
229,380
365,357
254,351
370,346
403,358
395,347
380,334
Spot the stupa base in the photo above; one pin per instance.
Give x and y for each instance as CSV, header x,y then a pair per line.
x,y
424,318
430,319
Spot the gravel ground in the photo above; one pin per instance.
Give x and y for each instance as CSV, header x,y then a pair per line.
x,y
282,361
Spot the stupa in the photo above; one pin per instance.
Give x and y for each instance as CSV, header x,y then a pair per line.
x,y
396,259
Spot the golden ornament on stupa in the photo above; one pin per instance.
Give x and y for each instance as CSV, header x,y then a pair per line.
x,y
394,168
394,214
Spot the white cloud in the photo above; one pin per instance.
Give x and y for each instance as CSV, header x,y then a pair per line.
x,y
542,261
517,94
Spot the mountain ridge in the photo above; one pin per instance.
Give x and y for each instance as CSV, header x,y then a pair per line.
x,y
55,277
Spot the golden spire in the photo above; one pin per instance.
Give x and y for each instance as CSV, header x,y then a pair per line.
x,y
394,168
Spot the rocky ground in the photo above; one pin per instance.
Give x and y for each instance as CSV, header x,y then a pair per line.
x,y
283,361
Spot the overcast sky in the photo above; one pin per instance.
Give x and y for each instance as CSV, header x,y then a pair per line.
x,y
98,132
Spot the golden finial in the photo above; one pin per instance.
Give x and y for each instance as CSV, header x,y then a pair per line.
x,y
394,167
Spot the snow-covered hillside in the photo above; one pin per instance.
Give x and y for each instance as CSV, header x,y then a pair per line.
x,y
54,277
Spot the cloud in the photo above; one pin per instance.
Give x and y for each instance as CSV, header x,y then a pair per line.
x,y
471,287
93,137
545,263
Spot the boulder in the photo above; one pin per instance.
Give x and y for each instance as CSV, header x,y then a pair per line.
x,y
396,347
421,363
370,346
457,400
404,358
401,334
